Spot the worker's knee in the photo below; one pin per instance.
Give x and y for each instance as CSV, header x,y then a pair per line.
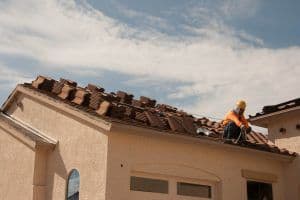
x,y
231,131
232,127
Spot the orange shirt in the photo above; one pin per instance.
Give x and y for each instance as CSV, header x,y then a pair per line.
x,y
238,120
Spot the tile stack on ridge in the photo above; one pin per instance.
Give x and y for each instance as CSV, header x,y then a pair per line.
x,y
143,112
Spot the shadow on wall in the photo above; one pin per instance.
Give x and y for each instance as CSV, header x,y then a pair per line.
x,y
56,166
15,104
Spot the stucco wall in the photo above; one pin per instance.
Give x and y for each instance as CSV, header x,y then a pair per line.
x,y
81,146
16,168
291,141
106,161
182,159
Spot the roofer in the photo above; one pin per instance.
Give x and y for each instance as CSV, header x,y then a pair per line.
x,y
235,123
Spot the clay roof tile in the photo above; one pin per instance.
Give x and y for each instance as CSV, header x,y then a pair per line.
x,y
278,107
122,106
67,92
43,83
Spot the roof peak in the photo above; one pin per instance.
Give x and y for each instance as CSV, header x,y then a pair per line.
x,y
143,111
65,87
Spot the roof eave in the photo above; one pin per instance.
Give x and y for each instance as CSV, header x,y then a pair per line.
x,y
120,126
258,120
48,101
10,98
25,134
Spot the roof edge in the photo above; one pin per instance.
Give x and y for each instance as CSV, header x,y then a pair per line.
x,y
9,99
44,99
119,125
264,116
38,138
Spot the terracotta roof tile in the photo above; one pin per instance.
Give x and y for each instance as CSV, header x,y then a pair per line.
x,y
137,103
43,83
155,120
250,138
166,108
130,112
188,124
94,88
125,97
82,97
278,107
147,101
140,116
68,82
57,87
116,111
143,112
103,108
175,123
67,92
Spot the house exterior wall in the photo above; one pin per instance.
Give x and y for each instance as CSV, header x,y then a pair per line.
x,y
291,141
80,146
139,152
106,161
16,167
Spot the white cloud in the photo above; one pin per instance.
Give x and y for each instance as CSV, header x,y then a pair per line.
x,y
220,67
147,20
239,8
209,21
9,78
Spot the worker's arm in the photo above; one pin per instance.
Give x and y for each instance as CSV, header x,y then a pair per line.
x,y
244,121
233,117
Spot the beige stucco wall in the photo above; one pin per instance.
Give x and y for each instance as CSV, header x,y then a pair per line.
x,y
106,161
291,141
16,167
81,146
143,152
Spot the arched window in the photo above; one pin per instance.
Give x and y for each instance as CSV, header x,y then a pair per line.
x,y
73,185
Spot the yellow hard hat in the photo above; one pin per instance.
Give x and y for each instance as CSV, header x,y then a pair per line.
x,y
241,104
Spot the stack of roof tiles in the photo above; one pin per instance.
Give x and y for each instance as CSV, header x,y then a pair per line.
x,y
278,107
144,111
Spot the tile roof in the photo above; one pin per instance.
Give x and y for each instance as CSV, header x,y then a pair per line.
x,y
145,112
278,107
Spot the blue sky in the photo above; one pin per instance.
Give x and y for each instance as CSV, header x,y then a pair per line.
x,y
198,55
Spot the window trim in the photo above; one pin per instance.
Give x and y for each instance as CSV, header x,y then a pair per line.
x,y
150,178
259,176
67,182
172,191
195,184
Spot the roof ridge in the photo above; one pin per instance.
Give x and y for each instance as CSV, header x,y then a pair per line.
x,y
122,106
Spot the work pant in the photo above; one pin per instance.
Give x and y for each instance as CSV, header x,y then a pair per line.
x,y
231,131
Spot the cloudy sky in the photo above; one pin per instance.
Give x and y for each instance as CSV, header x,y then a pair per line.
x,y
199,55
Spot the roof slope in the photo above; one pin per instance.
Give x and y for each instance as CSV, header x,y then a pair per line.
x,y
122,107
278,107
